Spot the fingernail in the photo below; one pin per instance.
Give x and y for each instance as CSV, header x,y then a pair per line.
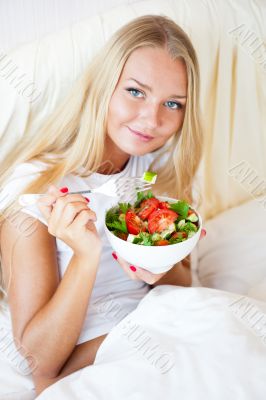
x,y
204,232
114,255
134,269
86,198
64,190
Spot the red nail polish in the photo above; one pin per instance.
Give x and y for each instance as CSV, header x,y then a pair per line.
x,y
64,190
134,269
114,255
86,198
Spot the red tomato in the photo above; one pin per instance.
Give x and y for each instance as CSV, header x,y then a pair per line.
x,y
164,205
134,224
159,220
147,207
162,242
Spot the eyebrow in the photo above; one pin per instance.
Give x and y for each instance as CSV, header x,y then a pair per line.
x,y
177,96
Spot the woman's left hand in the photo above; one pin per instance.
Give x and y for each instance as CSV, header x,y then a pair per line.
x,y
139,273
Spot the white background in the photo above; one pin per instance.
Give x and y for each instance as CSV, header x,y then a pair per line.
x,y
22,21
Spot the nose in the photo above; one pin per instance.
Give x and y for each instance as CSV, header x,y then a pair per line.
x,y
150,114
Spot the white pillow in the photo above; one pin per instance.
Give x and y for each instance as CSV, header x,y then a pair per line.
x,y
232,256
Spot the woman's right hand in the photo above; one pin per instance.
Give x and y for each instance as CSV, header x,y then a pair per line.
x,y
71,220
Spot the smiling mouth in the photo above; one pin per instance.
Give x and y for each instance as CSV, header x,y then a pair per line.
x,y
140,134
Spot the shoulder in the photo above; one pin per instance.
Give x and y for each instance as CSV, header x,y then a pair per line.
x,y
25,171
20,177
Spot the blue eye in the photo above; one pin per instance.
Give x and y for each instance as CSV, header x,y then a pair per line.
x,y
135,92
173,105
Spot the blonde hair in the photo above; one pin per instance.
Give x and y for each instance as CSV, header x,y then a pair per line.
x,y
73,136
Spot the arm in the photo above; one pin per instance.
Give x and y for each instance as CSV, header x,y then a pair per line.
x,y
47,316
83,355
179,275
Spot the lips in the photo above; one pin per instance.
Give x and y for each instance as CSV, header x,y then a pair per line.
x,y
144,135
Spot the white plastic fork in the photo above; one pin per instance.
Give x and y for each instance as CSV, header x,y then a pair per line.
x,y
123,188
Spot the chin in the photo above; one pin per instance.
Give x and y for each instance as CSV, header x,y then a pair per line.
x,y
140,152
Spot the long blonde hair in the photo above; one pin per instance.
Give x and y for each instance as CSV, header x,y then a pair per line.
x,y
73,136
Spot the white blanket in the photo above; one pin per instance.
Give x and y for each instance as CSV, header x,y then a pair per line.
x,y
187,343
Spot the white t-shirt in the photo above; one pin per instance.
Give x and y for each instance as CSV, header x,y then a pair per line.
x,y
114,294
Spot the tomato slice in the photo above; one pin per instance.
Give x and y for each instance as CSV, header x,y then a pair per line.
x,y
134,224
162,242
147,207
164,205
161,219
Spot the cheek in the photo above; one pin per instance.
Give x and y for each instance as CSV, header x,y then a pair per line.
x,y
180,119
119,111
172,125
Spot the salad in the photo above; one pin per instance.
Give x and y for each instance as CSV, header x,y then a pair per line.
x,y
152,222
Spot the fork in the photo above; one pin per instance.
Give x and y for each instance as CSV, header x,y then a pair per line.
x,y
124,188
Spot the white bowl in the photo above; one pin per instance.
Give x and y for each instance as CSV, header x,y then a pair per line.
x,y
155,259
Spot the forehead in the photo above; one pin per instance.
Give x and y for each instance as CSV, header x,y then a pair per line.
x,y
155,67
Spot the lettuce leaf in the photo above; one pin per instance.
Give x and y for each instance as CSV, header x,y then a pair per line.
x,y
181,207
113,222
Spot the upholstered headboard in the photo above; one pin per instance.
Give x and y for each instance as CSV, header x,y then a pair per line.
x,y
228,36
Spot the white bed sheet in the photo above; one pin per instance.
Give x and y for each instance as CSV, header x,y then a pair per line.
x,y
15,378
204,348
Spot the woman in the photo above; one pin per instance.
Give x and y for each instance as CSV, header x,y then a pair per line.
x,y
135,108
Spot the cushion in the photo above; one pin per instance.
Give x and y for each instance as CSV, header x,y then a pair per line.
x,y
232,256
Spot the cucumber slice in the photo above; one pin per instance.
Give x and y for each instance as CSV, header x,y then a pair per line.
x,y
167,235
193,217
149,176
181,223
168,231
131,238
190,234
155,237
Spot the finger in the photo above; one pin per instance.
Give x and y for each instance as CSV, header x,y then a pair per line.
x,y
138,273
148,276
85,219
73,209
131,272
45,203
61,203
203,233
69,215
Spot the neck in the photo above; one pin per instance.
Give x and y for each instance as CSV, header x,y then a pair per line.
x,y
113,163
107,167
114,159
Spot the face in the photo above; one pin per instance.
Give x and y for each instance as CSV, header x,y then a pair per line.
x,y
148,104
